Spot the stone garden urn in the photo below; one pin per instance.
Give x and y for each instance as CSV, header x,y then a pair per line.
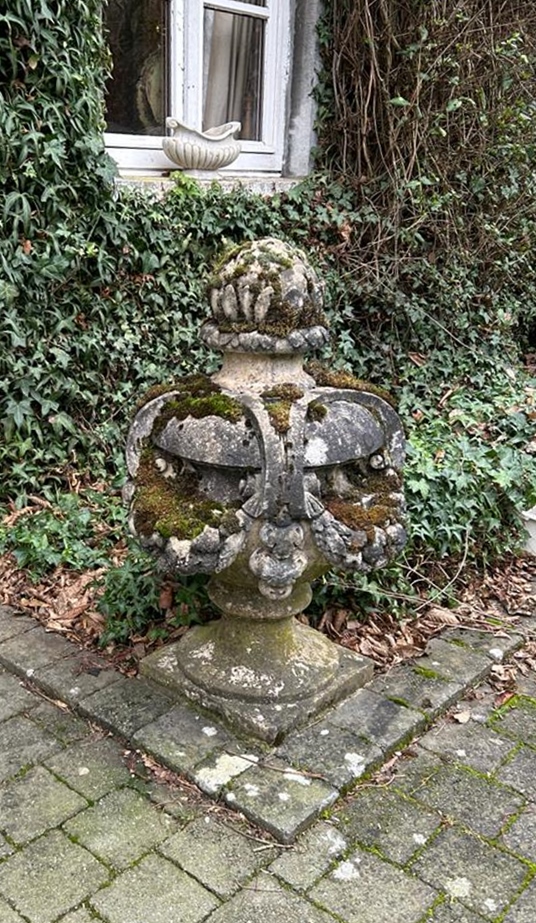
x,y
265,475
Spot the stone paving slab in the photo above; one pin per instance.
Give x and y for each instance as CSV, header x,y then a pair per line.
x,y
363,889
14,622
468,744
7,914
453,912
518,723
76,676
497,645
341,754
386,821
521,835
221,857
92,768
480,876
154,891
15,699
453,662
35,803
279,798
520,772
29,651
183,738
22,744
266,901
121,828
50,877
408,686
125,706
476,802
317,850
523,910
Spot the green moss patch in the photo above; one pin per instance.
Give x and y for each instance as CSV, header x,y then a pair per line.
x,y
171,507
328,378
278,401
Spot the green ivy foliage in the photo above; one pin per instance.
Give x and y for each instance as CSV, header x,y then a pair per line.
x,y
429,279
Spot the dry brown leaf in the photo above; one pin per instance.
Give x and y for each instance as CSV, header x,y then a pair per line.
x,y
462,717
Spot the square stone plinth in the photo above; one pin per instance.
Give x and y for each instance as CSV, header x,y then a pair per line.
x,y
271,719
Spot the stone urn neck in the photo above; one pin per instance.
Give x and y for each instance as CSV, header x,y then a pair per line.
x,y
256,372
264,476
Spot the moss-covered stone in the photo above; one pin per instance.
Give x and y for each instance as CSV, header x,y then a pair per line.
x,y
170,506
329,378
278,401
199,397
356,517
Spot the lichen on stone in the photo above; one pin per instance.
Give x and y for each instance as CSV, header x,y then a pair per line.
x,y
267,287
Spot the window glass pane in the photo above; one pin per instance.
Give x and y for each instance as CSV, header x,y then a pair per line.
x,y
136,94
232,71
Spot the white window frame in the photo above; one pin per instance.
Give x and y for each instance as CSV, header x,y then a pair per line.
x,y
140,154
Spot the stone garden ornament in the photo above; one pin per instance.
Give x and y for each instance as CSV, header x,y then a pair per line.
x,y
265,475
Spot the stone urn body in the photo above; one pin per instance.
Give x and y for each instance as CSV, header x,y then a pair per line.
x,y
265,475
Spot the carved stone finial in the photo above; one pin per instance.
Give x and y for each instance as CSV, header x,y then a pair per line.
x,y
265,475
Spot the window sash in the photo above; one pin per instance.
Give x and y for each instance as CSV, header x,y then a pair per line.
x,y
186,87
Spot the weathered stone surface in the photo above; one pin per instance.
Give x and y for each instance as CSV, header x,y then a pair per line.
x,y
521,836
126,705
429,694
33,804
339,755
363,889
520,772
478,803
376,718
14,698
93,767
265,680
311,857
5,848
76,676
153,891
221,857
495,644
519,722
380,818
480,876
468,744
22,744
280,799
453,662
13,622
120,828
27,652
523,910
182,738
214,773
453,912
415,769
79,916
7,914
61,722
266,901
50,877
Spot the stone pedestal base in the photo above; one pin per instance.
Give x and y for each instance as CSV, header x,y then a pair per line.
x,y
262,678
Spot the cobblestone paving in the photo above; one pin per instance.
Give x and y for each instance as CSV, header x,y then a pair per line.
x,y
120,805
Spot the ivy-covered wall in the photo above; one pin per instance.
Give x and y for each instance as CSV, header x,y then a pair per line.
x,y
421,218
